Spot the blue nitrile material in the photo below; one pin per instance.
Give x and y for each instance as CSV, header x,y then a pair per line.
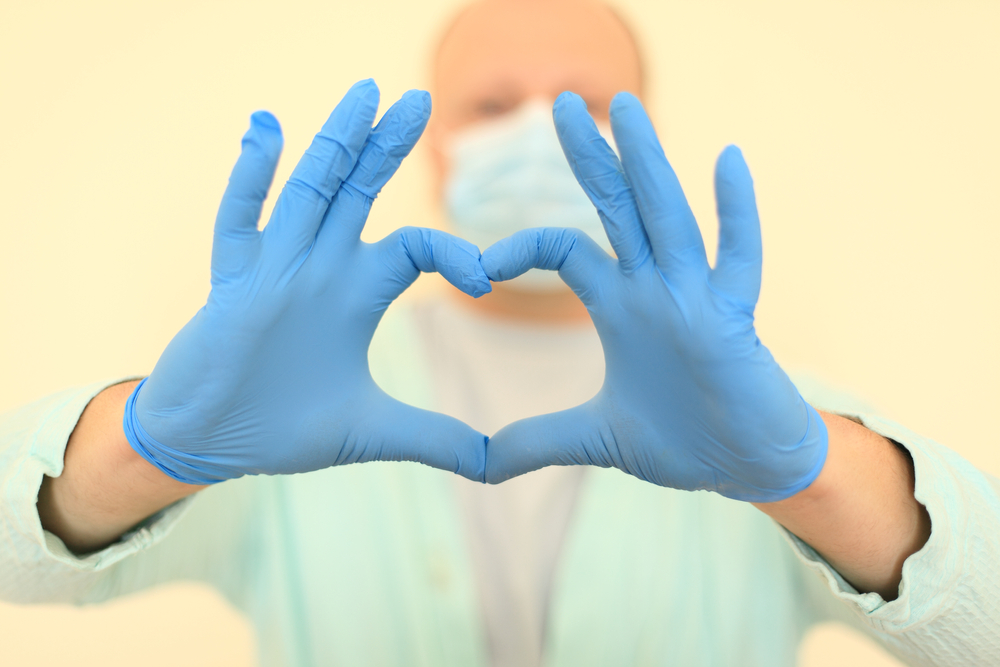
x,y
691,398
271,375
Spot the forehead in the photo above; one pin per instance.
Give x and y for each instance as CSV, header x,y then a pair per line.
x,y
535,47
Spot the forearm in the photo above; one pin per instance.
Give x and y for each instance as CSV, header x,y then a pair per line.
x,y
860,513
105,487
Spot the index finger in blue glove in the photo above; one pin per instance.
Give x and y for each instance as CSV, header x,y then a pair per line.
x,y
738,262
236,234
410,250
318,175
390,142
581,263
670,224
600,174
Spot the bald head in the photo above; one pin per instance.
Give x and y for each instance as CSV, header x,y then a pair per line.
x,y
498,53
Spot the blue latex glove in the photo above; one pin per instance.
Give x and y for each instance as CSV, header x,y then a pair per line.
x,y
271,376
691,398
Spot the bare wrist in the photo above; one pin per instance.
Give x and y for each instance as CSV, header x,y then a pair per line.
x,y
106,487
860,513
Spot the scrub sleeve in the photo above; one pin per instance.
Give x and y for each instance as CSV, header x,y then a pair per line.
x,y
948,609
35,565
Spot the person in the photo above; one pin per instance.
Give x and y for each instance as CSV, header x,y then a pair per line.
x,y
291,367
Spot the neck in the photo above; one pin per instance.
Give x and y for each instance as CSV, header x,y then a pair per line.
x,y
557,307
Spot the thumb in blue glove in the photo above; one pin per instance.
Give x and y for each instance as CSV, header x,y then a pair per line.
x,y
691,398
271,375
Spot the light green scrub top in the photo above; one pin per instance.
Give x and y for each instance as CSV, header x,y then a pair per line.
x,y
368,565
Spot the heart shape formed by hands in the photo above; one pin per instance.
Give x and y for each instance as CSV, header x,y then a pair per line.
x,y
691,398
271,376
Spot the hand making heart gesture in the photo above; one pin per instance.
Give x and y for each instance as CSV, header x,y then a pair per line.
x,y
271,375
691,398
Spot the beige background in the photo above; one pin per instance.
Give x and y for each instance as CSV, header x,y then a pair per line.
x,y
870,128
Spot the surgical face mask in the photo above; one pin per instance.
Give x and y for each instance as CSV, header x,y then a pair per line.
x,y
511,174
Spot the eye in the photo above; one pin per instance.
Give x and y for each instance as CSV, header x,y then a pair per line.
x,y
492,107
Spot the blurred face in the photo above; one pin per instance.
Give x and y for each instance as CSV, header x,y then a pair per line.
x,y
498,162
501,53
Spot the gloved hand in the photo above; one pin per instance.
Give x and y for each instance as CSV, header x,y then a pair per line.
x,y
271,375
691,398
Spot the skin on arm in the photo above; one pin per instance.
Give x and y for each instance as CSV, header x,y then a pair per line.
x,y
106,488
860,513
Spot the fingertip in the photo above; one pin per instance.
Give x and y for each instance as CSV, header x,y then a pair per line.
x,y
732,151
567,99
265,120
623,101
475,281
369,93
478,283
493,262
365,85
411,115
510,257
629,120
456,259
480,287
569,106
731,156
419,99
731,167
265,132
475,285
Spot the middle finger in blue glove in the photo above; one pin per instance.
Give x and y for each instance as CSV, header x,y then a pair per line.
x,y
317,177
670,225
387,146
600,174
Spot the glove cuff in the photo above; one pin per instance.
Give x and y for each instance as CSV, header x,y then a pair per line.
x,y
173,464
815,442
